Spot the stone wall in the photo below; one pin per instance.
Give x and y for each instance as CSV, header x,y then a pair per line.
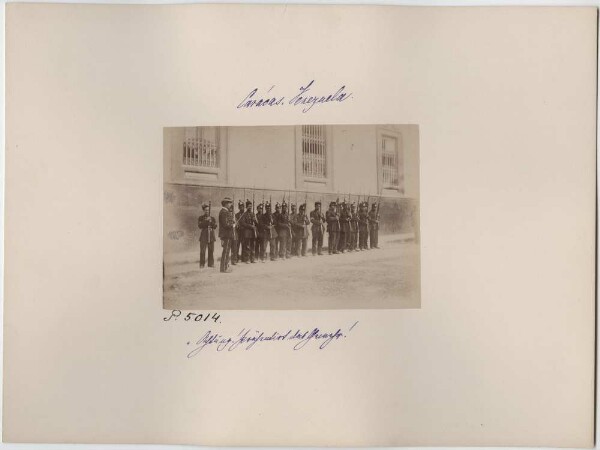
x,y
182,206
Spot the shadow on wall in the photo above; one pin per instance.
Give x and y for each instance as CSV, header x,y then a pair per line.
x,y
182,206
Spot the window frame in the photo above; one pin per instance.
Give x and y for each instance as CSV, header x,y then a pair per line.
x,y
306,182
197,175
384,132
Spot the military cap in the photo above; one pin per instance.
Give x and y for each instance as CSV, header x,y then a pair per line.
x,y
204,205
317,203
303,206
226,200
373,205
333,204
240,203
260,206
277,205
248,203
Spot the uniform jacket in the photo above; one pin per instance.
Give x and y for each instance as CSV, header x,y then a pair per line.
x,y
353,222
318,220
226,222
293,216
345,221
301,223
282,222
373,220
237,221
207,225
267,226
333,221
363,221
248,225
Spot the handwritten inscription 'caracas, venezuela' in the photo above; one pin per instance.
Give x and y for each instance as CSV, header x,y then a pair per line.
x,y
304,98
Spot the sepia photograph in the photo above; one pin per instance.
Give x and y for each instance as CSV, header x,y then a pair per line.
x,y
291,217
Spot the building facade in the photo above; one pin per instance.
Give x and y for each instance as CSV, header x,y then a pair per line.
x,y
301,163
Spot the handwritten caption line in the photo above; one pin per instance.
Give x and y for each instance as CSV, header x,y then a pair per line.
x,y
248,338
301,99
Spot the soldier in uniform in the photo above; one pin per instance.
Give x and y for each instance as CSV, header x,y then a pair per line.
x,y
292,249
344,228
301,223
352,244
268,234
248,228
374,226
207,225
284,232
318,222
333,228
258,241
237,244
363,226
226,232
276,215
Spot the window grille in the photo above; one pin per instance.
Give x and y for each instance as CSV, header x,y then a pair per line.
x,y
201,146
314,148
389,161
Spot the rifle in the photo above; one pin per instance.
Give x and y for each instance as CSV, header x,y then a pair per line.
x,y
233,220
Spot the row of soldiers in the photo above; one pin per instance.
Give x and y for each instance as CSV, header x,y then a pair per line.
x,y
245,235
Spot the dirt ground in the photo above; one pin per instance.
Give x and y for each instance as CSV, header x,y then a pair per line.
x,y
385,278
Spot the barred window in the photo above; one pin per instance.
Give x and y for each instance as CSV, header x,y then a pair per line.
x,y
389,161
201,146
314,148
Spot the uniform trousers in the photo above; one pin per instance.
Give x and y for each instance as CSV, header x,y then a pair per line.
x,y
334,237
343,241
374,237
317,241
210,246
362,238
226,244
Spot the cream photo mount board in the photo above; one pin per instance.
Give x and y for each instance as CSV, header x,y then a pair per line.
x,y
500,351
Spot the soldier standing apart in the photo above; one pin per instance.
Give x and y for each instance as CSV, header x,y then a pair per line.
x,y
344,228
292,250
318,220
353,229
207,225
268,234
333,228
301,231
284,232
248,228
226,232
363,226
374,226
237,244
